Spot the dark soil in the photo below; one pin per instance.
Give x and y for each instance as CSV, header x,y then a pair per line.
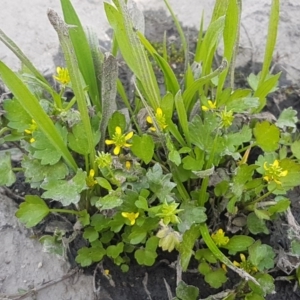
x,y
140,282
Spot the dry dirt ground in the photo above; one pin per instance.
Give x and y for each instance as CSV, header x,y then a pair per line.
x,y
23,265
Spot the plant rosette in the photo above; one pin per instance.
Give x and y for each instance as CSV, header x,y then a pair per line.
x,y
162,172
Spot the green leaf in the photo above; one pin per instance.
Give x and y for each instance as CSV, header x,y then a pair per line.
x,y
244,174
82,51
66,191
109,201
139,233
77,139
117,119
206,254
266,282
182,116
78,84
7,176
86,256
143,147
238,243
204,268
160,184
44,149
262,214
295,147
267,136
281,206
292,178
190,215
84,217
216,278
186,292
32,211
18,118
261,256
145,257
104,183
90,234
100,222
171,82
114,251
295,247
256,225
287,118
271,39
132,50
35,172
253,296
174,157
187,245
52,244
202,132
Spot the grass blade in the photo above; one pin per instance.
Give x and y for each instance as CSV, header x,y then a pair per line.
x,y
18,52
271,40
82,51
76,79
132,50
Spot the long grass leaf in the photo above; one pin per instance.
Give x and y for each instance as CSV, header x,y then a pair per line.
x,y
22,57
178,27
271,40
132,50
171,82
63,33
82,51
230,37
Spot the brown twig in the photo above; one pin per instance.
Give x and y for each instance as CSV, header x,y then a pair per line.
x,y
41,287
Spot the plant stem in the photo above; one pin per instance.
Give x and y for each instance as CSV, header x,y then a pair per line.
x,y
65,211
261,197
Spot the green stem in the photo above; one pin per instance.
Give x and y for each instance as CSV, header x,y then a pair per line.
x,y
261,197
204,185
18,169
65,211
3,130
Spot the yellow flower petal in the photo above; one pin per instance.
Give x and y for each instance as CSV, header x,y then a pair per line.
x,y
118,130
204,108
129,136
117,150
149,120
109,142
159,112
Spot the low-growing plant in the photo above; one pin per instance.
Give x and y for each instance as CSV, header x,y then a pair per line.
x,y
176,171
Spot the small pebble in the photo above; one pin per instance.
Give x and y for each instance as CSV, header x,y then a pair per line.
x,y
40,264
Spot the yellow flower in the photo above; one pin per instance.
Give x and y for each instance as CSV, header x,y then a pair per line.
x,y
30,130
245,265
273,172
127,164
210,106
219,238
90,180
119,140
160,120
226,118
62,76
168,213
130,216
